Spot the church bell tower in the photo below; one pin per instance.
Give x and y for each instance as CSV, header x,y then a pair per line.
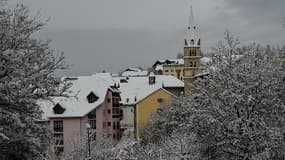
x,y
192,55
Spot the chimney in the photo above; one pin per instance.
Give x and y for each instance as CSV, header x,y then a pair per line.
x,y
151,78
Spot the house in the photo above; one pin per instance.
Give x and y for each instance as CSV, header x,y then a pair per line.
x,y
141,96
92,108
131,72
172,67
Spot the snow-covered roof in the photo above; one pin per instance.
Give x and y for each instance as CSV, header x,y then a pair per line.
x,y
138,88
76,105
158,65
134,72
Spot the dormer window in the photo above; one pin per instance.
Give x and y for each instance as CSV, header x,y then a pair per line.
x,y
58,109
91,98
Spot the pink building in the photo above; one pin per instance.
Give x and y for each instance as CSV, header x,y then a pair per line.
x,y
92,106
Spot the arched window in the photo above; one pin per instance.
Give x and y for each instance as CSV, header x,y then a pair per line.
x,y
192,42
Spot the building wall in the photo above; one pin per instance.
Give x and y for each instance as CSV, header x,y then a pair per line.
x,y
105,118
192,67
174,70
146,107
75,131
128,118
128,121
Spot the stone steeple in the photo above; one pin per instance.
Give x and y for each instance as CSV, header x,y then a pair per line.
x,y
192,54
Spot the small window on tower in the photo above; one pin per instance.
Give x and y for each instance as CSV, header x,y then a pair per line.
x,y
192,41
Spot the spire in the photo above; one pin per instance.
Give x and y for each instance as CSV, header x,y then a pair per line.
x,y
191,37
191,24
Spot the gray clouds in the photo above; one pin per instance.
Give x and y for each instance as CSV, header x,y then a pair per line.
x,y
113,34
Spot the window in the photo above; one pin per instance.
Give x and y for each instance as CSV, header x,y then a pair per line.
x,y
92,98
166,70
109,111
192,52
194,64
109,124
58,109
160,100
191,64
58,138
118,124
92,115
123,81
108,100
92,123
58,126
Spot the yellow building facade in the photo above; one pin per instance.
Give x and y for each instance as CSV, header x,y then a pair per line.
x,y
147,106
176,70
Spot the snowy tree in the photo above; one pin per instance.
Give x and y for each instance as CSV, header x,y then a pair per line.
x,y
238,110
99,150
27,67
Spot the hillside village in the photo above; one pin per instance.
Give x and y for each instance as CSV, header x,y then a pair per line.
x,y
194,107
121,105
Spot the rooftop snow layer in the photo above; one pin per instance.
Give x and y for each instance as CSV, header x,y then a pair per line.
x,y
77,105
134,72
138,88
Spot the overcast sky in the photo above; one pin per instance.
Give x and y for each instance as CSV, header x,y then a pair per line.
x,y
112,35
